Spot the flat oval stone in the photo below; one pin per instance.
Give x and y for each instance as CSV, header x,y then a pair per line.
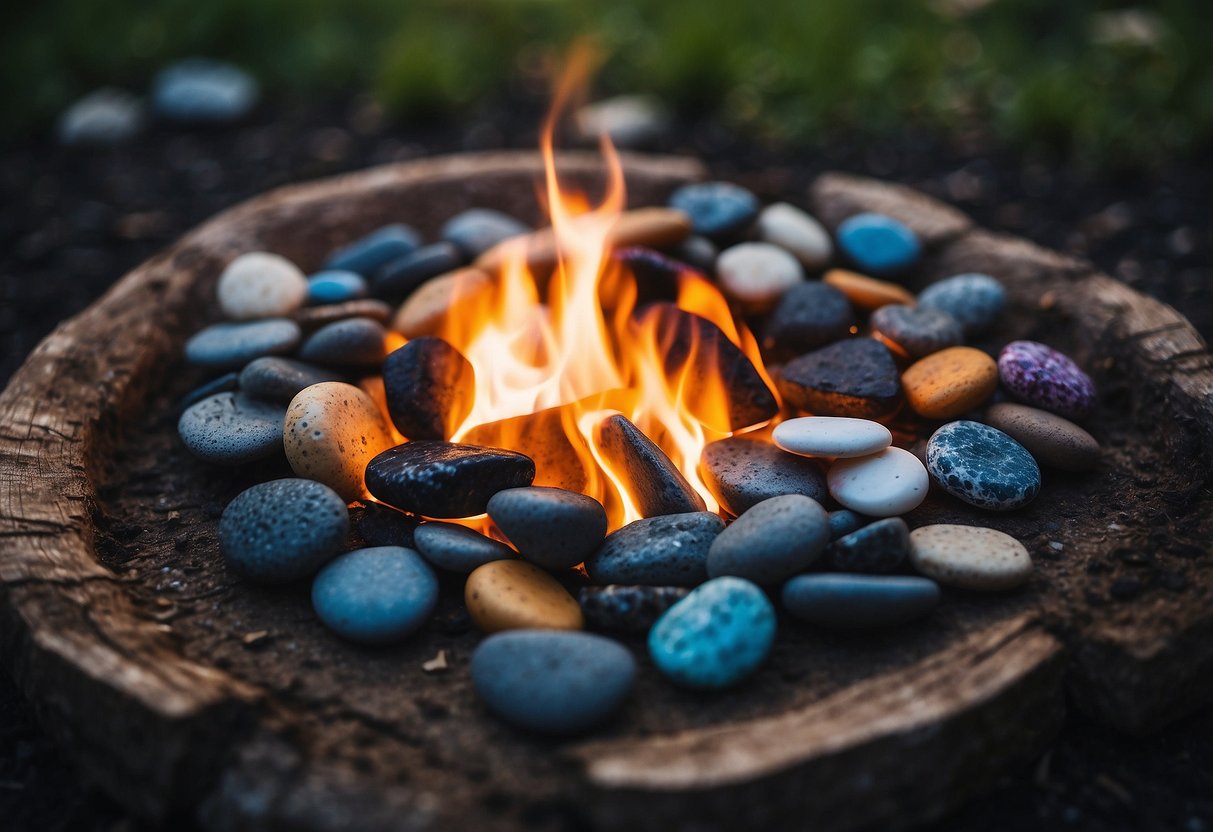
x,y
379,595
847,602
552,682
477,230
843,522
627,609
261,285
742,472
516,595
886,484
229,345
977,301
716,636
368,253
458,548
426,308
313,317
854,378
877,547
399,278
354,342
950,383
756,275
552,527
865,292
716,209
232,429
1041,376
670,550
970,557
226,383
336,286
282,530
832,436
1052,440
443,479
982,466
797,233
654,481
331,431
771,541
808,315
916,330
430,388
878,244
275,379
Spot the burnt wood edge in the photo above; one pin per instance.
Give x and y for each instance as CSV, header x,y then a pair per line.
x,y
149,725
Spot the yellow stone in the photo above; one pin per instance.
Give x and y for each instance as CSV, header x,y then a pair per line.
x,y
332,430
516,595
867,292
950,383
425,310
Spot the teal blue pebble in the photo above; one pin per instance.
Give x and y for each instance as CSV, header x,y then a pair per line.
x,y
375,596
335,286
716,636
878,244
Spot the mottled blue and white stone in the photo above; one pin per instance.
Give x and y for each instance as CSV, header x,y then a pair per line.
x,y
982,466
977,301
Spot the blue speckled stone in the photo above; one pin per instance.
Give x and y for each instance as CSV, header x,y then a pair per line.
x,y
282,530
878,244
477,230
375,596
716,636
877,547
628,609
917,330
232,429
458,548
716,209
668,550
368,253
843,522
551,681
976,300
354,342
229,345
742,472
335,286
982,466
859,601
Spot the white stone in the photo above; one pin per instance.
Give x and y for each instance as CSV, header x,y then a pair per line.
x,y
970,557
792,229
757,274
885,484
261,285
629,120
836,436
105,116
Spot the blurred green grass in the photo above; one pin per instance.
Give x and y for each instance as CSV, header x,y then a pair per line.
x,y
1104,82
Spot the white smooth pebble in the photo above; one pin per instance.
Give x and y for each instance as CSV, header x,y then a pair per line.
x,y
791,229
836,436
884,484
757,274
970,557
261,285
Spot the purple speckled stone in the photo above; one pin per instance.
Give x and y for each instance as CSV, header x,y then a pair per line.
x,y
1040,375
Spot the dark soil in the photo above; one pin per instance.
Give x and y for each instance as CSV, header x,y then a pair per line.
x,y
74,221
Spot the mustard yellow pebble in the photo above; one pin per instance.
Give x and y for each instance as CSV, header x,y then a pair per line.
x,y
516,595
867,292
950,383
331,431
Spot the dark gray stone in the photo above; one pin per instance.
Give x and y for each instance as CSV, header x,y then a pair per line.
x,y
742,472
430,388
282,530
229,345
859,601
627,609
380,525
656,484
354,342
443,479
808,316
977,301
856,377
232,429
876,548
398,278
458,548
223,384
551,527
671,550
843,522
274,379
773,540
918,330
366,254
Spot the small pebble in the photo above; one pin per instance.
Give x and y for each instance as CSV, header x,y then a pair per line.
x,y
443,479
311,318
843,522
886,484
847,602
716,636
203,90
399,278
557,683
426,308
796,232
516,595
809,315
699,252
381,525
105,116
756,275
379,595
627,609
335,286
982,466
332,431
552,527
970,557
366,254
230,345
742,472
867,293
832,436
1054,442
977,301
232,429
275,379
430,388
670,550
771,541
950,383
878,244
917,331
354,342
654,481
856,378
282,530
716,209
261,285
876,548
477,230
1041,376
458,548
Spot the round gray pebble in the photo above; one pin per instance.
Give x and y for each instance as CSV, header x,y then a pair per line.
x,y
917,330
477,230
773,540
843,522
375,596
228,345
457,548
354,342
977,301
552,527
232,429
277,379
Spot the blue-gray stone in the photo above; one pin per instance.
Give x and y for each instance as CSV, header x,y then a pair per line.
x,y
375,596
742,472
716,636
275,379
807,316
222,384
551,527
551,681
977,301
458,548
669,550
982,466
368,253
104,116
698,251
859,601
282,530
477,230
198,89
716,209
771,541
335,286
843,522
878,244
627,609
444,479
918,330
229,345
353,342
398,278
876,548
232,429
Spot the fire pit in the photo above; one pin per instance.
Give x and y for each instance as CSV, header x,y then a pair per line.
x,y
182,689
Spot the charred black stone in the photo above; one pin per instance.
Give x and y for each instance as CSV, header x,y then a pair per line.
x,y
657,551
443,479
397,279
380,525
850,378
743,472
627,609
656,273
808,316
430,388
657,485
354,342
876,548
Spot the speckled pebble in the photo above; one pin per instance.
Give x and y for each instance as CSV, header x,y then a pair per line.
x,y
627,609
716,209
516,595
477,230
916,331
809,315
796,232
1039,375
848,602
771,541
977,301
855,378
876,548
950,383
742,472
231,345
843,522
282,530
368,253
552,682
379,595
1054,442
715,637
232,429
982,466
552,527
354,342
261,285
332,431
444,479
670,550
335,286
878,244
756,275
970,557
275,379
886,484
831,436
457,548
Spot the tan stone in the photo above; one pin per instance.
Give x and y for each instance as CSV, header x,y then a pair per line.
x,y
867,292
970,557
426,309
516,595
950,383
332,430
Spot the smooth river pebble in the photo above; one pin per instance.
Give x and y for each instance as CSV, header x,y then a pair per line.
x,y
809,315
354,342
832,436
335,286
916,330
970,557
795,231
756,275
282,530
399,278
332,431
232,429
232,345
876,548
379,595
1039,375
443,479
516,595
1052,440
368,253
977,301
886,484
477,230
878,244
654,481
843,522
430,388
261,285
771,541
742,472
982,466
552,527
855,378
716,209
859,601
950,383
457,548
670,550
276,379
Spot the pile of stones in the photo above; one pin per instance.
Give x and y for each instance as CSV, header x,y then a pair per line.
x,y
811,512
